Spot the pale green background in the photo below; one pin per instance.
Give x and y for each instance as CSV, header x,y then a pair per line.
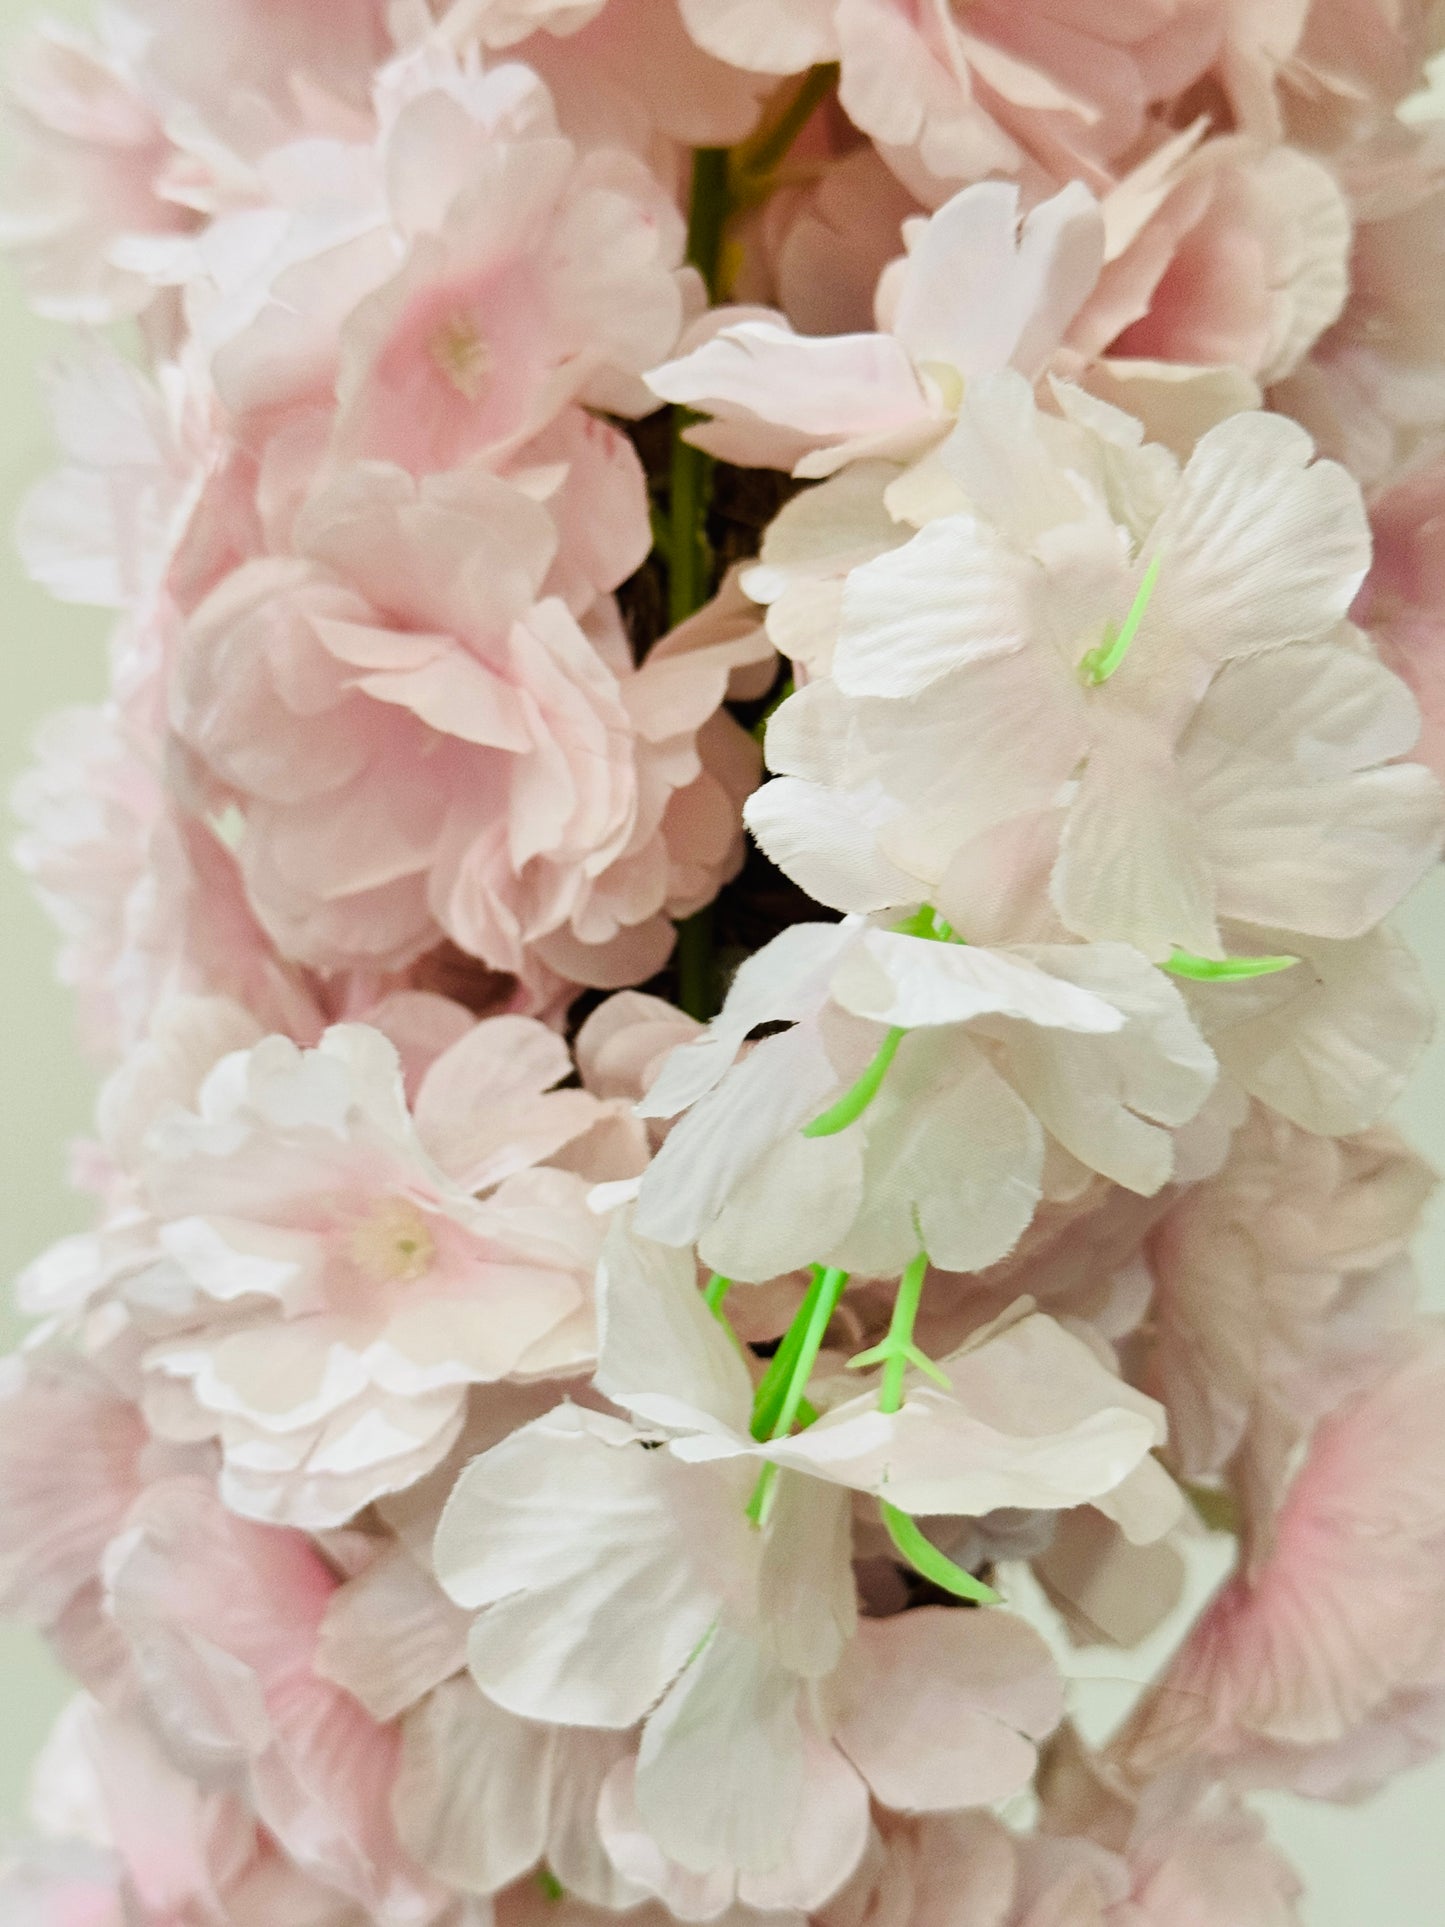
x,y
1383,1867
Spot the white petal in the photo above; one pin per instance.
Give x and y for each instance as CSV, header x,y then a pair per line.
x,y
1258,547
954,1160
1033,1421
781,1084
941,1708
1303,832
785,981
592,1555
797,1200
1132,867
822,387
1037,278
471,1792
955,594
662,1353
915,982
1106,1098
826,841
1331,1043
807,1598
720,1768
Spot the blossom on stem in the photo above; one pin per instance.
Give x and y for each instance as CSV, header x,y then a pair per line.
x,y
1002,1050
813,402
1203,741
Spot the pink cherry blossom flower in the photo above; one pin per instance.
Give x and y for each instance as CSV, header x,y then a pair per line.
x,y
813,402
418,747
1336,1631
92,154
1281,1288
1402,604
323,1288
221,1618
963,91
1226,258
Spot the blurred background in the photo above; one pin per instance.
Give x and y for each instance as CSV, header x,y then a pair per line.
x,y
1380,1866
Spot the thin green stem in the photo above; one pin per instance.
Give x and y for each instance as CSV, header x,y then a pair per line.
x,y
768,1398
924,1557
709,205
696,984
689,560
856,1099
757,158
715,1292
1099,664
814,1317
900,1331
687,552
1223,970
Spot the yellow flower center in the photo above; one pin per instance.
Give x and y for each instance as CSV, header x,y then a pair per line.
x,y
393,1245
463,354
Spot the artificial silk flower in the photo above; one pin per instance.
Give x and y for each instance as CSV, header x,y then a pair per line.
x,y
1203,742
323,1288
625,74
1280,1290
1298,1663
662,1603
1312,1041
149,903
125,1834
912,1098
586,1379
1179,1855
483,1798
1022,1416
813,402
441,281
1220,256
220,1618
487,768
958,92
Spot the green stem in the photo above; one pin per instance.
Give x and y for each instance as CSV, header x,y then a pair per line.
x,y
1223,970
856,1099
768,1399
707,213
756,159
696,990
715,1292
900,1333
687,556
814,1316
689,561
924,1557
1099,664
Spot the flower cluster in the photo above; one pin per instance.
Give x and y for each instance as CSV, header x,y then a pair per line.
x,y
776,665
